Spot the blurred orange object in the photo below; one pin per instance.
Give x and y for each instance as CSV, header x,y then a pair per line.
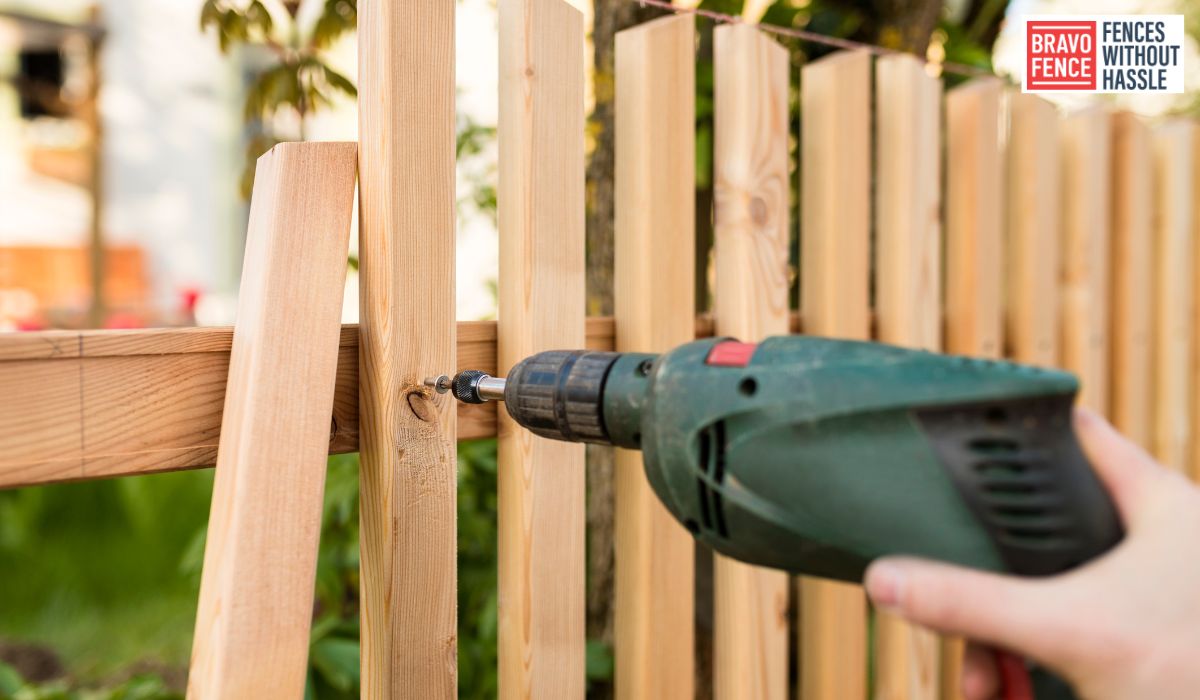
x,y
59,279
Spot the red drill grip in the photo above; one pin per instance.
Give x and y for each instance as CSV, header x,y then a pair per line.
x,y
1014,677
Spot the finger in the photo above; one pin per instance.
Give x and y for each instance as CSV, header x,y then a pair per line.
x,y
1021,614
1124,468
980,677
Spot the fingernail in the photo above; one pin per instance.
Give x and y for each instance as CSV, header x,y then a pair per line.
x,y
885,584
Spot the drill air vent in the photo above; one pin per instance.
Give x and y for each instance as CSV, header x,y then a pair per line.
x,y
712,467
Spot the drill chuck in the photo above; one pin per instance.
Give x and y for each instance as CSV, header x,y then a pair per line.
x,y
557,394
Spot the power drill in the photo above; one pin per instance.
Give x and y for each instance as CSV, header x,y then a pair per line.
x,y
816,455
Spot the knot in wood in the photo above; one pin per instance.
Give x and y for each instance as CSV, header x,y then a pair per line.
x,y
758,211
422,405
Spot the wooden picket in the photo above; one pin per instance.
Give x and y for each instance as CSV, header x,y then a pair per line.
x,y
408,522
1193,301
540,482
285,345
655,228
1032,255
835,249
974,219
908,297
1132,269
1172,292
750,217
1086,148
974,322
1068,241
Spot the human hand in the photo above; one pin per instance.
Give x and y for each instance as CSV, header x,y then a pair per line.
x,y
1125,625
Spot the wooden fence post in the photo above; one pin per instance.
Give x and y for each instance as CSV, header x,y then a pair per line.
x,y
908,296
1086,148
835,182
407,332
540,482
1173,249
260,557
750,604
1032,256
1132,270
655,237
974,323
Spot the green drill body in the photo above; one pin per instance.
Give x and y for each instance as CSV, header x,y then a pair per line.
x,y
816,456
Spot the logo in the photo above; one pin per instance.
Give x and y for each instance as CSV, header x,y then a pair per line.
x,y
1104,53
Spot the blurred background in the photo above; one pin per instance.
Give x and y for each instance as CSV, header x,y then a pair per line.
x,y
128,133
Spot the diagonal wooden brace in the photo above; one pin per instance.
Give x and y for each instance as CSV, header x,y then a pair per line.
x,y
256,592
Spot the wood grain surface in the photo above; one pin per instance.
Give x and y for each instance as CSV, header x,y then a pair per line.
x,y
1194,380
655,231
750,604
540,481
974,320
974,323
260,556
1132,270
1173,250
1033,253
835,141
408,518
1086,241
908,273
106,403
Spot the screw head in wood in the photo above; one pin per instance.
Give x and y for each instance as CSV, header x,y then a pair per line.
x,y
440,384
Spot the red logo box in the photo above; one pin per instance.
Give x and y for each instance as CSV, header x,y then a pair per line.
x,y
1060,55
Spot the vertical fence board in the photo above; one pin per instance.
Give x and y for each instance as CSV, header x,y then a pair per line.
x,y
751,297
654,292
1086,148
974,322
1172,332
1033,244
908,297
835,248
260,557
974,219
1194,300
407,332
1132,270
540,482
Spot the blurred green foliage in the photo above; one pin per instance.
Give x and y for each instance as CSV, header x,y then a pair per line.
x,y
149,687
477,601
94,570
110,573
471,151
297,79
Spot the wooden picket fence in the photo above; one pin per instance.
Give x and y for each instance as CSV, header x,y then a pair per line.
x,y
975,220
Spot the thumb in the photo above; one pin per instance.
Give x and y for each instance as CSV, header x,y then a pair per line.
x,y
1021,615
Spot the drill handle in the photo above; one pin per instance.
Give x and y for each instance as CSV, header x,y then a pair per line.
x,y
1019,468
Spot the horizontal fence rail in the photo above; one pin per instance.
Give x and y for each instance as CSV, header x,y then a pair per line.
x,y
96,404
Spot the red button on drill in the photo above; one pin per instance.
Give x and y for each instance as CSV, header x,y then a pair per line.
x,y
731,353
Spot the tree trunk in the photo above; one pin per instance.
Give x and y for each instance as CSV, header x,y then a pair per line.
x,y
905,25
